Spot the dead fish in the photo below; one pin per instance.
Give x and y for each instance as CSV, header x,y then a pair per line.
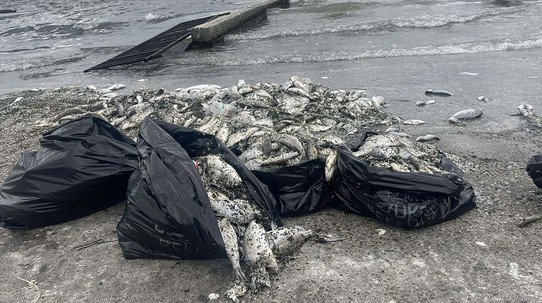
x,y
427,138
293,105
440,93
241,135
378,101
526,110
413,122
69,112
465,114
256,249
298,91
303,83
331,165
223,132
290,141
237,211
116,87
219,171
285,240
259,98
281,159
232,247
253,152
392,129
398,167
200,88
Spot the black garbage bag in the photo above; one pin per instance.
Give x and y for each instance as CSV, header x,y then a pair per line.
x,y
534,169
299,189
399,198
83,166
168,213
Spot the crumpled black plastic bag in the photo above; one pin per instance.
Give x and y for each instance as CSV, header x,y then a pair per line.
x,y
168,213
299,189
400,198
534,169
83,166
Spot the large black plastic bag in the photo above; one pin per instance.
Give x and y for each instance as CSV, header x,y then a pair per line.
x,y
399,198
168,213
83,166
299,189
534,169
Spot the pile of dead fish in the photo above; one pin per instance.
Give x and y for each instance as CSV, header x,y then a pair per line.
x,y
397,152
241,225
267,124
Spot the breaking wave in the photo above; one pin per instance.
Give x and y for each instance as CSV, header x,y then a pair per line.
x,y
430,50
389,24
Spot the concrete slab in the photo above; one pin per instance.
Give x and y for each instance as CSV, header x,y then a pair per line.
x,y
206,33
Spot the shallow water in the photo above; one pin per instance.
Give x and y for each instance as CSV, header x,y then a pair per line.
x,y
392,47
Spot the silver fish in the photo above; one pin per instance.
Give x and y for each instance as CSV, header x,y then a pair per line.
x,y
303,83
465,114
526,110
241,135
441,93
237,211
259,98
285,240
232,247
299,91
427,138
331,165
256,249
279,159
413,122
293,105
378,101
290,141
116,87
200,88
219,171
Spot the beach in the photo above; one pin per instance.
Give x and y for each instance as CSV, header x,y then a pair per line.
x,y
480,256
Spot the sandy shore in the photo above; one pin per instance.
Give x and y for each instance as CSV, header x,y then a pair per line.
x,y
480,257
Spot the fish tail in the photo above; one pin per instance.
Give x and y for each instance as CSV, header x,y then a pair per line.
x,y
238,274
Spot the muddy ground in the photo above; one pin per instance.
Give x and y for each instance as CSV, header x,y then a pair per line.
x,y
481,256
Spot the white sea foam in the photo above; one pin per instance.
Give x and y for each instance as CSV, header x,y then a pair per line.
x,y
425,21
428,50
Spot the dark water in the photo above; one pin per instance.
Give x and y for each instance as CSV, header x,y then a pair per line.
x,y
394,48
